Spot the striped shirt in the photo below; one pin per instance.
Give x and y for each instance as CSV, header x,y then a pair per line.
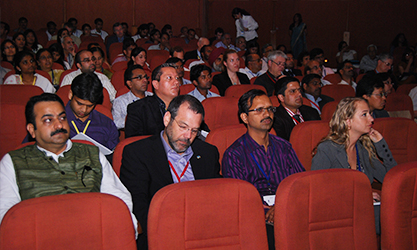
x,y
241,160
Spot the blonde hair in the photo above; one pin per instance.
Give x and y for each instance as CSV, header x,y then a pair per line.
x,y
339,130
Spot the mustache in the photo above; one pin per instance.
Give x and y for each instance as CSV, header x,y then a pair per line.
x,y
62,130
266,118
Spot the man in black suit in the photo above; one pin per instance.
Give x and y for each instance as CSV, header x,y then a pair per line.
x,y
144,117
289,66
195,54
276,65
171,156
291,111
312,91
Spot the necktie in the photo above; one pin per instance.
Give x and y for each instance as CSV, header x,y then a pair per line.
x,y
297,117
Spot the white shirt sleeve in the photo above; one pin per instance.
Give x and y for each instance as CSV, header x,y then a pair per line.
x,y
111,184
9,191
413,95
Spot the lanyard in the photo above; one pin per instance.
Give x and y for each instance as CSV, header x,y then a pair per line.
x,y
358,162
53,77
175,172
34,80
271,78
85,129
313,104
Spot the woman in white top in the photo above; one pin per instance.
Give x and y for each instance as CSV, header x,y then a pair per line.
x,y
25,66
345,53
245,24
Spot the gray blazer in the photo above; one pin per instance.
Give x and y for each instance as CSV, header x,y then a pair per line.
x,y
333,155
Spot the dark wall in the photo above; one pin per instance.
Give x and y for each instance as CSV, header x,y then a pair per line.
x,y
368,21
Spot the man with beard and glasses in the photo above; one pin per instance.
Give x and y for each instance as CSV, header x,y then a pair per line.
x,y
258,157
171,156
53,165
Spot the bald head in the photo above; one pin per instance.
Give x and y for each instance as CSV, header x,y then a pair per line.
x,y
201,42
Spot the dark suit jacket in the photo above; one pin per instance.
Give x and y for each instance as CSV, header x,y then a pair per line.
x,y
222,81
144,117
145,170
283,123
190,55
292,72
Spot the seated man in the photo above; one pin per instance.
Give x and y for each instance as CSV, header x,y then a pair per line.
x,y
205,52
253,67
201,77
312,91
144,117
276,65
179,66
313,67
85,62
258,157
291,111
177,52
196,54
345,70
137,81
371,88
53,165
170,156
370,60
289,66
128,46
226,42
240,43
163,45
318,55
117,37
216,59
86,91
99,29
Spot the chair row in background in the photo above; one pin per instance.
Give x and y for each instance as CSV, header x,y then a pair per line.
x,y
324,209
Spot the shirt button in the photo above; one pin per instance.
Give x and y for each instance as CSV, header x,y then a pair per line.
x,y
383,145
50,158
62,172
386,150
66,187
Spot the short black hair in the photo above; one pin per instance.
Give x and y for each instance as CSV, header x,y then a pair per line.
x,y
143,26
315,52
246,100
23,19
73,19
301,56
19,57
342,65
368,84
218,30
193,104
129,72
45,97
98,20
196,70
127,42
50,23
38,54
77,58
175,49
282,83
87,86
308,78
174,60
249,58
116,24
85,25
6,26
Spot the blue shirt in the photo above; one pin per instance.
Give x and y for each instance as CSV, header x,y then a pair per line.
x,y
101,128
179,161
244,157
200,97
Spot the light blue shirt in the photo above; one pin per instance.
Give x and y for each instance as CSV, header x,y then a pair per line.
x,y
311,98
179,162
119,110
200,97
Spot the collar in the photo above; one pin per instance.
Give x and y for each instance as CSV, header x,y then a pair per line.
x,y
71,116
53,155
171,153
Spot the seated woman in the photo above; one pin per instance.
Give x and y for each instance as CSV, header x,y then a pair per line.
x,y
138,57
405,71
25,66
231,76
98,53
353,143
20,41
32,40
58,55
61,32
8,51
154,37
45,62
345,53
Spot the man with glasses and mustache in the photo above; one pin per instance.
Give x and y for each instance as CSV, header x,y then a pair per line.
x,y
276,65
55,165
258,157
170,156
137,81
345,70
291,112
85,62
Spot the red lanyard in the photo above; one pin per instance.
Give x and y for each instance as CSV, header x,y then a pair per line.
x,y
175,172
313,104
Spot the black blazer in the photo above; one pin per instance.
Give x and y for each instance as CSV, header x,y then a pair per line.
x,y
145,170
283,123
190,55
144,117
222,81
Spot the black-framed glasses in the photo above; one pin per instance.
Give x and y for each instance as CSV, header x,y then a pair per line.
x,y
87,60
140,77
278,63
262,109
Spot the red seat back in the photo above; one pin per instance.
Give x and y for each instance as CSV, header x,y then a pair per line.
x,y
220,112
238,90
338,91
118,151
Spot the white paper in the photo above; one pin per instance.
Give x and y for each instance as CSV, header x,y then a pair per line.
x,y
85,137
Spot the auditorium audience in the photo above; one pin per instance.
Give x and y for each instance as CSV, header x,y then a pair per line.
x,y
8,51
45,63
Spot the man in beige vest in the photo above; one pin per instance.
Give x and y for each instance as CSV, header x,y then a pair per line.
x,y
54,165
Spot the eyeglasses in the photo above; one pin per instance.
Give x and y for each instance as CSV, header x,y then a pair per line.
x,y
388,64
261,110
279,63
316,83
185,128
382,94
140,77
87,60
